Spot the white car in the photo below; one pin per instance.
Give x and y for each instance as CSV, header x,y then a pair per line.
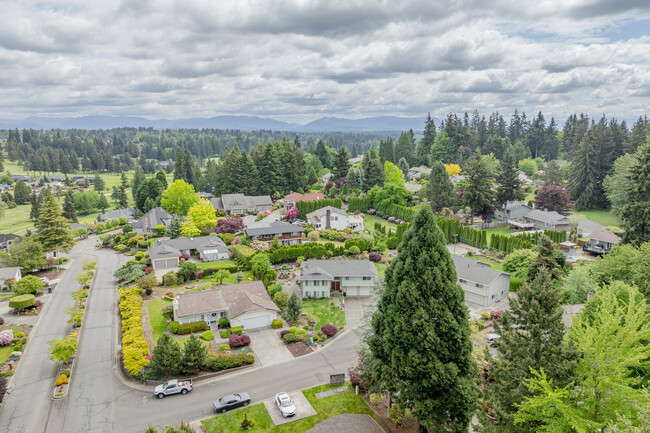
x,y
492,337
285,404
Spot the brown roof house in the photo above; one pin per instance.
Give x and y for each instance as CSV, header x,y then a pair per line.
x,y
290,200
246,304
601,241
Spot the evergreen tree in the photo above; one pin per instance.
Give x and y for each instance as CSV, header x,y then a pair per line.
x,y
86,207
404,147
373,170
478,194
404,166
124,182
136,185
36,204
532,336
174,228
270,180
294,305
21,193
193,356
387,150
545,259
443,149
179,164
162,179
636,213
52,226
69,211
188,162
322,154
103,203
353,178
98,184
553,175
122,198
424,146
115,195
166,357
420,346
509,185
341,164
248,175
439,191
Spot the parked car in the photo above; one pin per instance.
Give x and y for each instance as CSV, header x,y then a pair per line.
x,y
231,401
174,386
45,280
285,404
492,337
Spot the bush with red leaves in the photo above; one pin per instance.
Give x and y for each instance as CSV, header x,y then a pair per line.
x,y
329,330
148,270
230,225
283,333
496,315
239,340
185,256
374,257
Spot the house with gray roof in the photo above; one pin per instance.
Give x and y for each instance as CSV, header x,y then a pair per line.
x,y
326,278
514,210
545,220
155,217
285,233
131,215
483,286
166,253
415,173
601,241
234,204
587,226
246,304
8,239
328,217
7,273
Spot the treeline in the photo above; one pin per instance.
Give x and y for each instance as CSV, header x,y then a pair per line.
x,y
509,244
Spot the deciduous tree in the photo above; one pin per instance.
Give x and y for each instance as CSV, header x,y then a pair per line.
x,y
202,215
178,198
28,255
553,198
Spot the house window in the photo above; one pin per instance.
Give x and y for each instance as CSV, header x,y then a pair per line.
x,y
222,314
503,292
323,294
461,280
316,283
493,296
347,278
366,278
480,286
335,218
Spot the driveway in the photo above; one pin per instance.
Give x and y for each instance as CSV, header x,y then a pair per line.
x,y
160,272
303,408
356,309
268,347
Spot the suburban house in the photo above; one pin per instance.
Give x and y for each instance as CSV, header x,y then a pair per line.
x,y
246,304
6,273
413,187
233,204
7,240
131,215
514,210
601,241
544,220
290,200
587,226
414,173
483,286
17,177
155,217
285,233
165,254
5,187
328,217
325,278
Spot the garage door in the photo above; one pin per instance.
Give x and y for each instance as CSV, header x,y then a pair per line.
x,y
172,263
474,298
257,322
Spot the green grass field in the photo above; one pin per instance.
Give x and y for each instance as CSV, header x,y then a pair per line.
x,y
601,216
324,313
326,407
498,231
159,324
219,264
381,268
371,220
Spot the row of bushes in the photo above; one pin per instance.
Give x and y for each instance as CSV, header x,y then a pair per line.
x,y
243,254
134,346
400,212
187,328
508,243
361,204
305,207
216,361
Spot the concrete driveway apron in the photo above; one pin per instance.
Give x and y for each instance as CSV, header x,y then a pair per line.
x,y
268,347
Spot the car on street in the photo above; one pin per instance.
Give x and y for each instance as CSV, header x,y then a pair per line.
x,y
175,386
492,337
45,280
285,404
231,401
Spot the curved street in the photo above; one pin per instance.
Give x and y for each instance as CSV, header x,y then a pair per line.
x,y
100,400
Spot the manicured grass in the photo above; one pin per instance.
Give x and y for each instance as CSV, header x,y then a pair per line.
x,y
5,351
381,268
6,295
336,243
327,407
371,220
156,319
324,313
529,197
601,216
498,231
219,264
248,276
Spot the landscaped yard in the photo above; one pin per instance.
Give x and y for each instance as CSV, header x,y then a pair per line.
x,y
498,231
324,313
371,220
326,407
248,276
381,268
219,264
601,216
5,351
159,324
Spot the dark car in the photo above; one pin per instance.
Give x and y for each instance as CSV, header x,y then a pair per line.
x,y
231,401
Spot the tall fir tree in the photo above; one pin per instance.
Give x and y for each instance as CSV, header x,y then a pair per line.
x,y
442,149
137,182
166,357
387,150
270,180
162,179
98,184
545,259
636,213
35,201
188,162
179,164
353,178
69,211
424,146
373,170
122,198
532,336
509,185
247,174
439,191
322,153
193,355
174,228
21,193
103,203
420,342
478,194
341,164
404,147
52,226
403,165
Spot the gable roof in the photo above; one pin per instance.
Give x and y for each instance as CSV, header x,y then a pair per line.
x,y
328,269
319,213
156,216
295,196
4,237
240,201
605,235
200,243
475,270
8,272
162,251
546,216
586,226
276,227
118,213
235,299
511,205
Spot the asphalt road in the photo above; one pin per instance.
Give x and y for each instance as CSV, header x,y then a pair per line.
x,y
100,401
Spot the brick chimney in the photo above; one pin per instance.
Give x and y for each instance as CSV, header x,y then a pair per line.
x,y
327,219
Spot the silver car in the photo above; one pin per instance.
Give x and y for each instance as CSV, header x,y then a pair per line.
x,y
285,404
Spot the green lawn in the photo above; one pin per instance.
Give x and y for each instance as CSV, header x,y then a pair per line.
x,y
324,313
219,264
5,351
381,268
327,407
371,220
248,276
601,216
498,231
529,197
156,319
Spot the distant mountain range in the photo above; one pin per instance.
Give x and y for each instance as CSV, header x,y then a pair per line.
x,y
325,124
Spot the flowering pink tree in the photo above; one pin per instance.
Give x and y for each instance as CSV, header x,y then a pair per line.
x,y
293,213
6,337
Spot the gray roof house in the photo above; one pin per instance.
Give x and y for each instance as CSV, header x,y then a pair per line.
x,y
156,216
245,304
587,226
414,173
165,253
233,204
483,286
325,278
129,214
544,220
328,217
601,241
286,234
8,239
6,273
514,210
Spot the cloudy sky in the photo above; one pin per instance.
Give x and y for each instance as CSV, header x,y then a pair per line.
x,y
298,60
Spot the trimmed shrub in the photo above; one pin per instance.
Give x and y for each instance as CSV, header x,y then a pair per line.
x,y
218,362
224,348
21,302
188,328
283,333
223,323
293,329
207,336
329,330
485,315
281,298
290,338
237,330
147,282
239,340
354,250
374,257
173,327
225,333
168,311
301,332
6,337
277,323
139,255
170,279
28,285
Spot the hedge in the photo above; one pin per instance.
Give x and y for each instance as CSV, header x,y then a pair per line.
x,y
187,328
22,301
394,210
243,254
218,363
361,204
509,244
207,335
292,252
305,207
134,346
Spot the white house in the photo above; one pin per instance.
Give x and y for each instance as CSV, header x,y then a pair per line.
x,y
325,278
483,286
165,254
328,217
6,273
246,304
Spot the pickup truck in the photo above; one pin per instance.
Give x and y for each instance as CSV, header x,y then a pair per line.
x,y
174,386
